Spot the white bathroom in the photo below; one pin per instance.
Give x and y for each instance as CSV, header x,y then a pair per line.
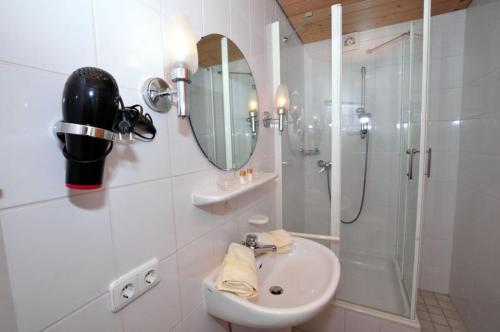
x,y
250,166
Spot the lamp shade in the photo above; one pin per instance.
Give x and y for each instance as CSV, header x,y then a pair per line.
x,y
282,98
253,101
180,44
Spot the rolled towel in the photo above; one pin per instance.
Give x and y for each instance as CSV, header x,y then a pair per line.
x,y
280,238
238,273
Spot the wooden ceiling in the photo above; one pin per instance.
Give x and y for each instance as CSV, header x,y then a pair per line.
x,y
358,15
210,52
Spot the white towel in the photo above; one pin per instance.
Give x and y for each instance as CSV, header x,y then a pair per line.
x,y
280,238
238,273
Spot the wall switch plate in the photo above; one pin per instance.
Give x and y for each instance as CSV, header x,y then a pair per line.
x,y
133,284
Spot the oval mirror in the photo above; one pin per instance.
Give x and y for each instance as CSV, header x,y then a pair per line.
x,y
223,103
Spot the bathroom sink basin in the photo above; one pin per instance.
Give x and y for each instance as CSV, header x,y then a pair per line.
x,y
303,280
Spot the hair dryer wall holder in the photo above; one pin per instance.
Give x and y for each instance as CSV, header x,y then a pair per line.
x,y
62,127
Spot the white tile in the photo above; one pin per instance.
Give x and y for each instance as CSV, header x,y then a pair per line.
x,y
358,322
444,135
271,8
446,72
69,261
185,154
129,51
190,8
191,221
154,4
32,152
95,316
440,195
258,16
436,252
138,161
445,104
444,165
240,25
196,261
216,17
56,36
436,279
199,321
159,309
222,236
143,223
331,319
438,224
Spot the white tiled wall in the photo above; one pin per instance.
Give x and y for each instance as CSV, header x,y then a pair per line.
x,y
63,248
447,49
475,264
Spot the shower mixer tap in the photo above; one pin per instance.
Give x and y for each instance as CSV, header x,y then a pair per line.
x,y
324,165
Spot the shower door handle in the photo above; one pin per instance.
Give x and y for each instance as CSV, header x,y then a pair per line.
x,y
429,161
411,153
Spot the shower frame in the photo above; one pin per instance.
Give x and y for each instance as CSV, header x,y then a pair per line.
x,y
336,173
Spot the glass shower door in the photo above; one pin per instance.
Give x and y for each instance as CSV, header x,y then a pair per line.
x,y
410,128
307,137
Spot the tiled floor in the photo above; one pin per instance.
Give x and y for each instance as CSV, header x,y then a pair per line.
x,y
437,313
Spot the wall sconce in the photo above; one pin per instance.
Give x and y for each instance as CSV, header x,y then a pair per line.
x,y
253,108
282,102
181,60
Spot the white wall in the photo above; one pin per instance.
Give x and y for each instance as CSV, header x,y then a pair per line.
x,y
475,264
64,248
447,49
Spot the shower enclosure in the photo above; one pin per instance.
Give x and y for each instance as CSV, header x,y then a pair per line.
x,y
352,155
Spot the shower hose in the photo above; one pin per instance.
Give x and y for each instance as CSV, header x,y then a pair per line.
x,y
364,186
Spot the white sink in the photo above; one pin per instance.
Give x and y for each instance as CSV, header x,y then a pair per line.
x,y
309,275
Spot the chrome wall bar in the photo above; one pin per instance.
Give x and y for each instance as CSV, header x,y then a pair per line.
x,y
334,239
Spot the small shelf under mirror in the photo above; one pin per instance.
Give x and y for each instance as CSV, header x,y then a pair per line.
x,y
213,194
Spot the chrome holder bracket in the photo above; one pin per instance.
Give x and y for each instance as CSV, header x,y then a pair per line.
x,y
268,121
62,127
158,95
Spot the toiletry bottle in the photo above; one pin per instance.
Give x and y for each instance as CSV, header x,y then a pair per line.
x,y
249,174
243,175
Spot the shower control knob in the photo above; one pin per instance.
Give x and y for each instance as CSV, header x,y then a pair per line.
x,y
324,165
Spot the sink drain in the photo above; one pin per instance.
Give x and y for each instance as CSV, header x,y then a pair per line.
x,y
276,290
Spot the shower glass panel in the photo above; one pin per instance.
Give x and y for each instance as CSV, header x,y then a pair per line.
x,y
306,140
369,143
377,250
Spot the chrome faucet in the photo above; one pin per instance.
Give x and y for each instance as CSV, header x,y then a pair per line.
x,y
324,165
251,242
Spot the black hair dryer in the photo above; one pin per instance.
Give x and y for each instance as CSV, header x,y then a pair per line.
x,y
93,118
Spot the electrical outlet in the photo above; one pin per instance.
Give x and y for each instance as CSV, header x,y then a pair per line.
x,y
123,291
149,275
130,286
